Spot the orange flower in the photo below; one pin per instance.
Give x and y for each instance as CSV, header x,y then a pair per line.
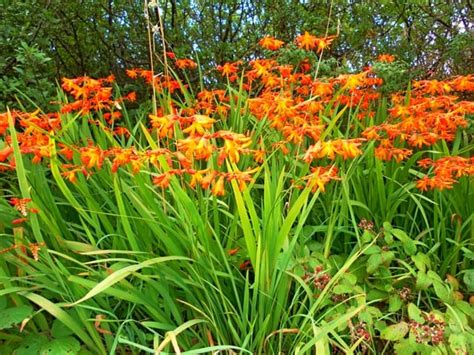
x,y
92,157
132,73
164,125
386,58
198,147
196,177
234,143
233,252
463,83
121,157
229,70
131,96
185,64
5,153
21,205
70,175
162,180
19,220
323,43
199,125
242,177
218,188
319,177
122,131
307,41
348,148
271,43
3,123
207,180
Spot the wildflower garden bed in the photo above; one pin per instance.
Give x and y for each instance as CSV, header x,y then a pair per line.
x,y
282,212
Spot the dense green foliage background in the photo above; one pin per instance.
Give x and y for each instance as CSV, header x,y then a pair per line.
x,y
43,40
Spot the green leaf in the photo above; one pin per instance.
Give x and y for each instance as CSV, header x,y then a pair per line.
x,y
366,237
387,226
415,314
373,263
468,279
394,303
422,281
395,332
408,244
388,237
350,278
434,276
63,346
3,302
366,317
407,347
122,273
442,292
341,289
387,256
459,343
373,249
58,330
11,316
31,344
65,318
422,261
465,308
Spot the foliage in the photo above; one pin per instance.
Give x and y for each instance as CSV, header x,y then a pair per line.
x,y
283,212
96,38
26,79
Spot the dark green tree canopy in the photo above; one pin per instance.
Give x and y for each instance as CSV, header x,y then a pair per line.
x,y
46,39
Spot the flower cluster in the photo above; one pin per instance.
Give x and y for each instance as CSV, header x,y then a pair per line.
x,y
446,170
22,206
218,137
431,331
318,278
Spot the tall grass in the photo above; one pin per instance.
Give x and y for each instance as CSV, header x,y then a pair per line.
x,y
278,264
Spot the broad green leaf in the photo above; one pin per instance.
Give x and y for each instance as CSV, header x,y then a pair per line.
x,y
387,257
14,315
443,292
394,303
63,346
342,289
31,344
422,261
388,237
422,281
408,244
468,279
459,343
407,347
415,314
395,332
465,308
58,330
350,278
373,249
387,226
434,276
373,263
